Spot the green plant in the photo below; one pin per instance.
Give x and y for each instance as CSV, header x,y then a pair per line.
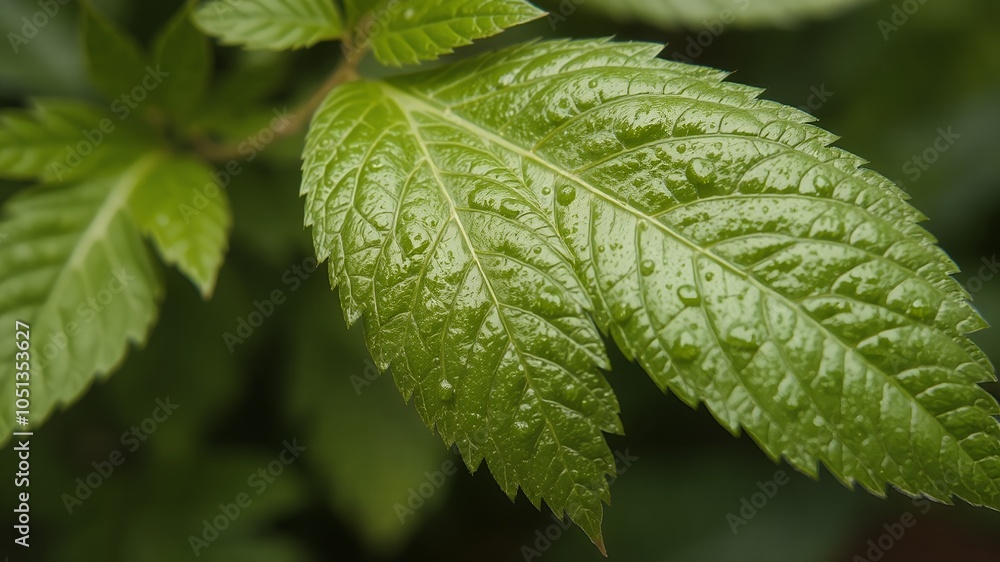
x,y
491,218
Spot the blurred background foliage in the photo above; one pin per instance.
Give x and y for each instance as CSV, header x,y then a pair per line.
x,y
303,376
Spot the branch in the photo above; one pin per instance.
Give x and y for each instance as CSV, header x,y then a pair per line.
x,y
346,71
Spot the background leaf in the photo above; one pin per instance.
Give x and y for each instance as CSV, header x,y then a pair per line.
x,y
411,31
270,24
185,53
711,14
81,277
183,208
114,61
59,140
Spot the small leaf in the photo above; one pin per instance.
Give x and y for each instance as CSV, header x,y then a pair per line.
x,y
181,206
185,54
719,239
415,31
59,140
114,62
270,24
77,271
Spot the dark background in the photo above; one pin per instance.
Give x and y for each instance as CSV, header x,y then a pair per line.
x,y
302,374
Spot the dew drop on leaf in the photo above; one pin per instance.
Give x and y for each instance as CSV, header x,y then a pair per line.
x,y
700,171
742,337
921,309
511,208
447,392
647,267
823,185
684,348
566,195
623,311
688,295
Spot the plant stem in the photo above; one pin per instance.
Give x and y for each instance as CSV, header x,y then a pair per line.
x,y
346,71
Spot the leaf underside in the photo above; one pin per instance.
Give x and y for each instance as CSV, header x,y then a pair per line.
x,y
486,215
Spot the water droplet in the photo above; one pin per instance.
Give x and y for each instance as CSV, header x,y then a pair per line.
x,y
823,185
512,208
684,348
681,148
742,337
447,392
921,309
700,171
592,84
688,295
325,143
647,267
566,195
709,276
536,250
622,311
601,248
546,190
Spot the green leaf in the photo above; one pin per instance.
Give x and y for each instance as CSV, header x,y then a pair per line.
x,y
181,206
722,242
114,61
407,32
270,24
77,271
671,14
58,140
480,315
185,54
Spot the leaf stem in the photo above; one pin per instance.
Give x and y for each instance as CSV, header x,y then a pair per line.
x,y
345,71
